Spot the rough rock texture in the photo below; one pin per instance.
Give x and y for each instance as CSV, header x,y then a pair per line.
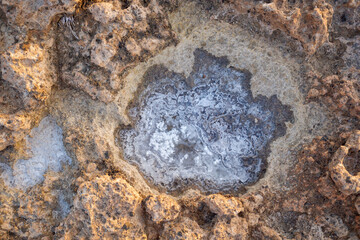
x,y
76,65
26,63
236,228
184,228
307,22
318,196
34,213
346,182
100,44
341,95
27,73
221,205
162,208
104,208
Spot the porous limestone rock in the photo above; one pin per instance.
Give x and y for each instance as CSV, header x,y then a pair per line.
x,y
34,213
183,228
101,44
357,205
83,61
233,229
26,70
347,183
162,208
340,94
35,15
30,21
14,127
335,224
269,233
307,22
222,205
26,62
104,208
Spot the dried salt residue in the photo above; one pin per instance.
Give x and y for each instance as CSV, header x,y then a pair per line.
x,y
48,153
206,129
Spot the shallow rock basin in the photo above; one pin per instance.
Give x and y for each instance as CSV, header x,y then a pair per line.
x,y
206,129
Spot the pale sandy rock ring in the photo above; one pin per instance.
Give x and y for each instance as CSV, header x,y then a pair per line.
x,y
347,183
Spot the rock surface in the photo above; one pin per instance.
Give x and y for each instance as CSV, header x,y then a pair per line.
x,y
162,208
347,183
223,206
71,72
101,44
104,208
184,228
235,228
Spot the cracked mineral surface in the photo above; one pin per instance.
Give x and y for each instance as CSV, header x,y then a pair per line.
x,y
206,128
167,119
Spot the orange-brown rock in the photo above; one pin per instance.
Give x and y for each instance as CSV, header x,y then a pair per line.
x,y
104,208
28,74
270,233
313,182
36,15
223,206
307,22
183,228
38,209
162,208
108,39
347,183
233,229
340,94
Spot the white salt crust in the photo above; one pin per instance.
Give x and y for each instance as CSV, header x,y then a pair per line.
x,y
213,132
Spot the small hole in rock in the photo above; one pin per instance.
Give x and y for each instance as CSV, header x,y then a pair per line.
x,y
125,4
352,161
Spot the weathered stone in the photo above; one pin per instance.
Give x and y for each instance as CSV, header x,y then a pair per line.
x,y
236,228
113,36
28,71
357,205
162,208
184,228
224,206
347,183
36,14
307,22
85,62
340,94
102,208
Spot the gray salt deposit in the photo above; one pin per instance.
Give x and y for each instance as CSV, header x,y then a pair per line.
x,y
206,130
47,152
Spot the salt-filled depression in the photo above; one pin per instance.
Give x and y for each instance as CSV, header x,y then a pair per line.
x,y
206,130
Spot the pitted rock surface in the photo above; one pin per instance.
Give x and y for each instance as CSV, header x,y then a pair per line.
x,y
184,228
224,206
235,228
106,40
162,208
104,208
82,62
